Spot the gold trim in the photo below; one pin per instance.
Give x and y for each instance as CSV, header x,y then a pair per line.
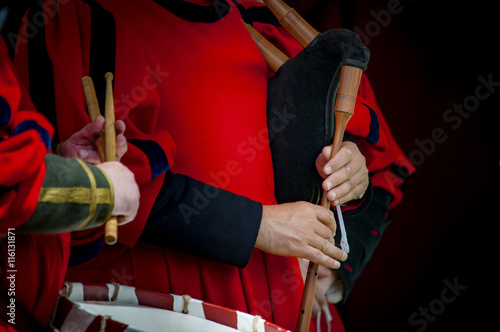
x,y
111,195
92,196
77,195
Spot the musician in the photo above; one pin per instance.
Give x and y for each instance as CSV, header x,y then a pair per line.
x,y
189,73
36,214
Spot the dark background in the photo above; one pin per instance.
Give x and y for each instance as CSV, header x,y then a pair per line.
x,y
425,58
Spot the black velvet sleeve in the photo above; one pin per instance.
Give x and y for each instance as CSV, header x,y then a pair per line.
x,y
204,221
364,227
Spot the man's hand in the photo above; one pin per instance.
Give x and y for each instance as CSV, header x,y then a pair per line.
x,y
125,188
300,229
326,278
82,144
346,175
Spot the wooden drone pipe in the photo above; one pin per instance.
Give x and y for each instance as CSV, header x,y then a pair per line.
x,y
350,78
273,56
292,22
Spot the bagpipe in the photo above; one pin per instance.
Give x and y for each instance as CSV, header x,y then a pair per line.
x,y
316,90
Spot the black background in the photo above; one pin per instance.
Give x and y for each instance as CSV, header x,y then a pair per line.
x,y
427,57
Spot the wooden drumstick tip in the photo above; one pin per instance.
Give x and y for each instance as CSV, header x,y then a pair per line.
x,y
111,231
108,76
86,80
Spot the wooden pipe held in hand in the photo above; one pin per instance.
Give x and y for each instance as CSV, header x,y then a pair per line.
x,y
350,78
349,81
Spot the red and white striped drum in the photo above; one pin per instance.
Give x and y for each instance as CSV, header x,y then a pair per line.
x,y
113,307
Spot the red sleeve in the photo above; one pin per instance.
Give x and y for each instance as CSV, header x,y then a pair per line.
x,y
388,165
4,327
25,138
41,260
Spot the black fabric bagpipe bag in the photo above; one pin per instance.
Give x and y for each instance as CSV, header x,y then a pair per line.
x,y
300,116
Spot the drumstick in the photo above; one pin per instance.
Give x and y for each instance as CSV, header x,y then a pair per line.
x,y
293,22
350,78
94,112
111,229
107,148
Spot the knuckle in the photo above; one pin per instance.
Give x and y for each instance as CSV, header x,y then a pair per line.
x,y
326,247
350,185
301,205
348,172
317,256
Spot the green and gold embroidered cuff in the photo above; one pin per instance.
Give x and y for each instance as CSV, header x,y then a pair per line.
x,y
74,196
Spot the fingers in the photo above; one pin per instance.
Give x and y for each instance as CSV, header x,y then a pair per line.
x,y
322,249
93,129
322,160
326,217
350,188
316,308
346,174
125,188
323,252
89,156
119,127
121,146
326,278
300,229
121,141
324,273
83,144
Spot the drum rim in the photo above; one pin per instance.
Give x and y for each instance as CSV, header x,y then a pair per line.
x,y
117,294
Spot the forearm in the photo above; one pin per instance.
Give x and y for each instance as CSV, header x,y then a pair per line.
x,y
204,221
74,196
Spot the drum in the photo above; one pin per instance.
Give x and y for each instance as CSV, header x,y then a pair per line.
x,y
114,307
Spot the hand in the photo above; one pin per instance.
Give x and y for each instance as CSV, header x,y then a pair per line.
x,y
82,144
300,229
346,175
125,188
326,278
